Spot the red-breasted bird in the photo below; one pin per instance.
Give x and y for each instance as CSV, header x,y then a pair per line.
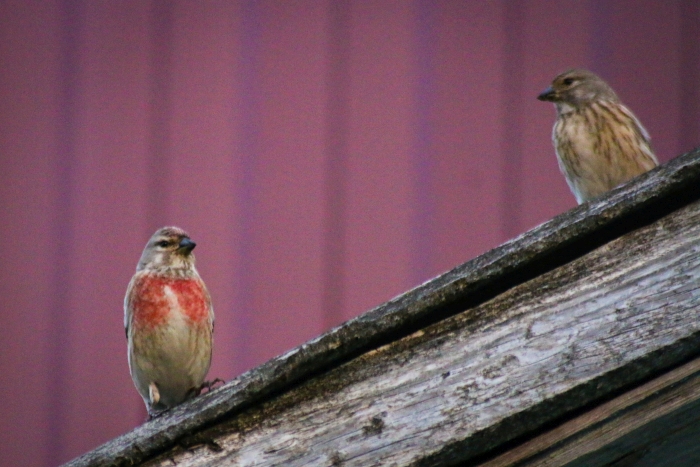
x,y
600,144
169,322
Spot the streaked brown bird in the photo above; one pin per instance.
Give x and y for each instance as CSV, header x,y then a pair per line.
x,y
599,142
169,322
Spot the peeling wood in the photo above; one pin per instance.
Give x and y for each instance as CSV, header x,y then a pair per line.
x,y
471,286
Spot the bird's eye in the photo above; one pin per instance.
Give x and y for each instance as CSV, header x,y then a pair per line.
x,y
163,243
568,81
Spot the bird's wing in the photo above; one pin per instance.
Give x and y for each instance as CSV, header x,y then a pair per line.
x,y
644,134
127,308
642,131
207,296
211,312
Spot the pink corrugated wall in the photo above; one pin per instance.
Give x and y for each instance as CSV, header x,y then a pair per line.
x,y
324,155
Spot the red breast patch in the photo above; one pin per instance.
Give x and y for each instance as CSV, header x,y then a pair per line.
x,y
151,304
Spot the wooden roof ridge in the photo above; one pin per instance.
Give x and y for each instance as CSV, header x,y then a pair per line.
x,y
543,249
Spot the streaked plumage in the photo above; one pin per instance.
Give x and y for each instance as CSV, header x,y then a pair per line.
x,y
599,143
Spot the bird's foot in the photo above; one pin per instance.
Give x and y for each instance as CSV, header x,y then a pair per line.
x,y
152,414
209,385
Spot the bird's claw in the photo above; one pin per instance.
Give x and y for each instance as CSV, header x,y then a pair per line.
x,y
209,385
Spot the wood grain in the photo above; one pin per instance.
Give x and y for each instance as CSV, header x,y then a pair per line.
x,y
484,377
597,436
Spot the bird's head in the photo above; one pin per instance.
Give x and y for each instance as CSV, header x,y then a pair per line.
x,y
170,248
575,89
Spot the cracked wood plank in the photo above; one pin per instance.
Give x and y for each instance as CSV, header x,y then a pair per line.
x,y
461,388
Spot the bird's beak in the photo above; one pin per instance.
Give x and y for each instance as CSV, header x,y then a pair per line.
x,y
186,245
547,95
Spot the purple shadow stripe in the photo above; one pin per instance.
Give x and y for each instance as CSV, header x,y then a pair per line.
x,y
160,109
61,318
601,50
334,252
250,151
513,66
690,73
424,197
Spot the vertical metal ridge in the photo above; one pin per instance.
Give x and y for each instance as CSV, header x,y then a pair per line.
x,y
249,153
160,109
423,213
690,75
513,121
337,125
63,229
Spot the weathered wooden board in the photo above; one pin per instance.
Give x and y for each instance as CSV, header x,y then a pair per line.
x,y
649,425
669,440
457,389
543,249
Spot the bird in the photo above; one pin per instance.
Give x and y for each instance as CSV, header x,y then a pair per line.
x,y
169,322
599,142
